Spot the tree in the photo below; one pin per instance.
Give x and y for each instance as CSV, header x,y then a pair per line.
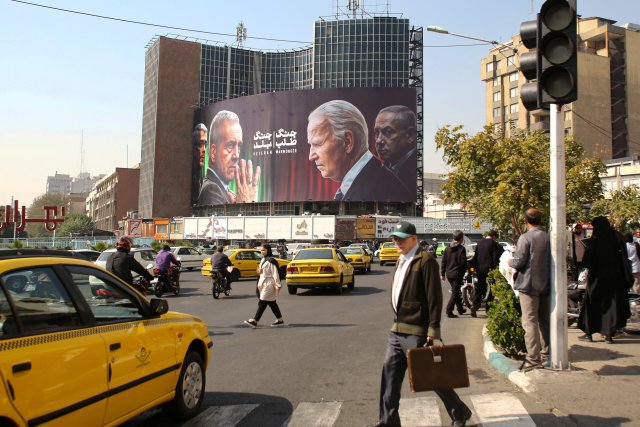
x,y
36,210
622,209
76,223
499,177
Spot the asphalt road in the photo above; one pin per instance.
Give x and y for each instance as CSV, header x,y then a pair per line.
x,y
331,350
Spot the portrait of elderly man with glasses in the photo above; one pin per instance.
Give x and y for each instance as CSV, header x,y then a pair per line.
x,y
225,165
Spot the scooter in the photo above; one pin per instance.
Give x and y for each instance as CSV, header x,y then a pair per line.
x,y
469,287
166,281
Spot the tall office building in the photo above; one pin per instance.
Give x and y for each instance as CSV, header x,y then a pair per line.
x,y
182,76
606,117
59,184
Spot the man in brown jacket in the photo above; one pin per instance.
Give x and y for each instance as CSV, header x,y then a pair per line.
x,y
416,300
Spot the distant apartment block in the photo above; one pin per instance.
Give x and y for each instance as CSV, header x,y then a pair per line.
x,y
59,184
112,197
606,117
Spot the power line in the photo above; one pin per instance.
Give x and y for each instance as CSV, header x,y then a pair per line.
x,y
602,130
128,21
456,45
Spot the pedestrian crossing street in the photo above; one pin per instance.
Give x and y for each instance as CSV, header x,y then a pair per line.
x,y
491,409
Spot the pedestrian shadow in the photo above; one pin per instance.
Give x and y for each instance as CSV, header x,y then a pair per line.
x,y
376,272
581,353
610,370
356,291
572,420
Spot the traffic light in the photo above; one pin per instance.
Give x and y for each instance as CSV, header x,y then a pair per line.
x,y
554,63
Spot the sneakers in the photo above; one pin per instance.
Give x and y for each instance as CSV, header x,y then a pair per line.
x,y
585,338
463,421
473,313
251,323
278,322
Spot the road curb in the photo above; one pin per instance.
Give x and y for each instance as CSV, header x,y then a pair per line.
x,y
507,367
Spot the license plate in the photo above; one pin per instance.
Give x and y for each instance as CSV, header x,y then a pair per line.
x,y
309,269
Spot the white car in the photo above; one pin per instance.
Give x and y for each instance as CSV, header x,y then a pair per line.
x,y
294,248
189,257
144,256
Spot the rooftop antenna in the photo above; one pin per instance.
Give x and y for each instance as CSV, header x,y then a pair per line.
x,y
241,34
82,155
353,6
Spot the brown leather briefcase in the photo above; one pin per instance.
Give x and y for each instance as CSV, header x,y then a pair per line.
x,y
438,367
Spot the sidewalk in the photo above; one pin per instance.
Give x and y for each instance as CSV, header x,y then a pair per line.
x,y
603,382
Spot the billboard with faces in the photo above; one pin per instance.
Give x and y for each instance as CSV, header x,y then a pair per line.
x,y
358,145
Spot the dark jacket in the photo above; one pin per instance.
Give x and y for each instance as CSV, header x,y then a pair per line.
x,y
121,264
454,261
212,191
220,261
487,255
420,300
375,182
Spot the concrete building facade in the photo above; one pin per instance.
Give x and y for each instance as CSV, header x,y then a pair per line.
x,y
112,197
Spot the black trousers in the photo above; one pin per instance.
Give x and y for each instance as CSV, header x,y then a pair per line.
x,y
262,306
481,290
455,299
393,371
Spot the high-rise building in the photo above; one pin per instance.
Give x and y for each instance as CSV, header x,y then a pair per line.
x,y
606,117
182,76
112,197
59,184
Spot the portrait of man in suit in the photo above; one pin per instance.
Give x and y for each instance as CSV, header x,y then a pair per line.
x,y
225,165
395,138
338,137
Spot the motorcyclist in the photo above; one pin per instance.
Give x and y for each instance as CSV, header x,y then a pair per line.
x,y
164,262
122,263
219,262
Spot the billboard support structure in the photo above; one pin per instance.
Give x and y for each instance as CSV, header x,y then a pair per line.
x,y
416,81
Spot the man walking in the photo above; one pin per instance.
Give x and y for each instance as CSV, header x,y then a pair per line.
x,y
453,267
532,261
416,300
485,259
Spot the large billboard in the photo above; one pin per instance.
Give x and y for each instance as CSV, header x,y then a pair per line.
x,y
353,144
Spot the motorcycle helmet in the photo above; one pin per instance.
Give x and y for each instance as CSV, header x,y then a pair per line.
x,y
434,239
124,243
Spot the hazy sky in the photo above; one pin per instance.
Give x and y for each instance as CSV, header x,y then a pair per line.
x,y
67,78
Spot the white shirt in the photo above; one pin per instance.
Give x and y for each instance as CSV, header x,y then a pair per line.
x,y
634,257
354,171
398,278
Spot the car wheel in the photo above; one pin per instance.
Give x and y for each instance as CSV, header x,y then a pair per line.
x,y
381,263
190,388
369,267
353,282
283,272
189,268
339,286
292,290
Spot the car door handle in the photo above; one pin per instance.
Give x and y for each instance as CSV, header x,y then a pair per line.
x,y
21,367
114,346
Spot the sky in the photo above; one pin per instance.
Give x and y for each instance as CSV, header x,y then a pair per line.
x,y
71,83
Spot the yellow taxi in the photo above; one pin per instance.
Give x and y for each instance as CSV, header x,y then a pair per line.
x,y
319,268
358,257
80,347
245,262
388,253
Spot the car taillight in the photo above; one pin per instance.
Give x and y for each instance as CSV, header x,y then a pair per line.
x,y
292,270
326,269
359,260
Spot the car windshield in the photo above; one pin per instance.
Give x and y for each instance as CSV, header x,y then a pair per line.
x,y
351,251
388,245
105,255
314,254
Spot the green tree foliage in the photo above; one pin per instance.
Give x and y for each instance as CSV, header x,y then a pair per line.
x,y
36,210
499,177
100,247
504,324
623,209
17,244
75,224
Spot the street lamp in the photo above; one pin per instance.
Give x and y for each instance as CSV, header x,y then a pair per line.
x,y
440,30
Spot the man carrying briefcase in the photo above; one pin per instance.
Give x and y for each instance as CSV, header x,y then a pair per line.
x,y
416,299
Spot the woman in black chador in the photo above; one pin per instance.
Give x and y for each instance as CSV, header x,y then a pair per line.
x,y
606,303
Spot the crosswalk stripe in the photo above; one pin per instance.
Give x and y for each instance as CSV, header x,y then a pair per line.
x,y
221,416
493,409
314,414
420,411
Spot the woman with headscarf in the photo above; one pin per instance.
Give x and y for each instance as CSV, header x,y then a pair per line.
x,y
269,287
606,304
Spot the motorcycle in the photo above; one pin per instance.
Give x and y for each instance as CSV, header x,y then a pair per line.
x,y
166,281
468,290
219,284
141,285
575,297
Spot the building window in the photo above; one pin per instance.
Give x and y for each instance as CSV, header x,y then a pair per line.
x,y
489,67
513,108
496,81
513,77
513,92
496,112
496,96
511,60
567,116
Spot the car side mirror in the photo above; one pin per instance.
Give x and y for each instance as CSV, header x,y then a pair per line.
x,y
158,307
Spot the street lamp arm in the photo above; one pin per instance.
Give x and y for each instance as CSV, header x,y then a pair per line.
x,y
440,30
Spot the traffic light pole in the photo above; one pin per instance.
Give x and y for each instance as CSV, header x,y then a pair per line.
x,y
558,344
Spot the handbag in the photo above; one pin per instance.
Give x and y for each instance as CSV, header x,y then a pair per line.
x,y
437,367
